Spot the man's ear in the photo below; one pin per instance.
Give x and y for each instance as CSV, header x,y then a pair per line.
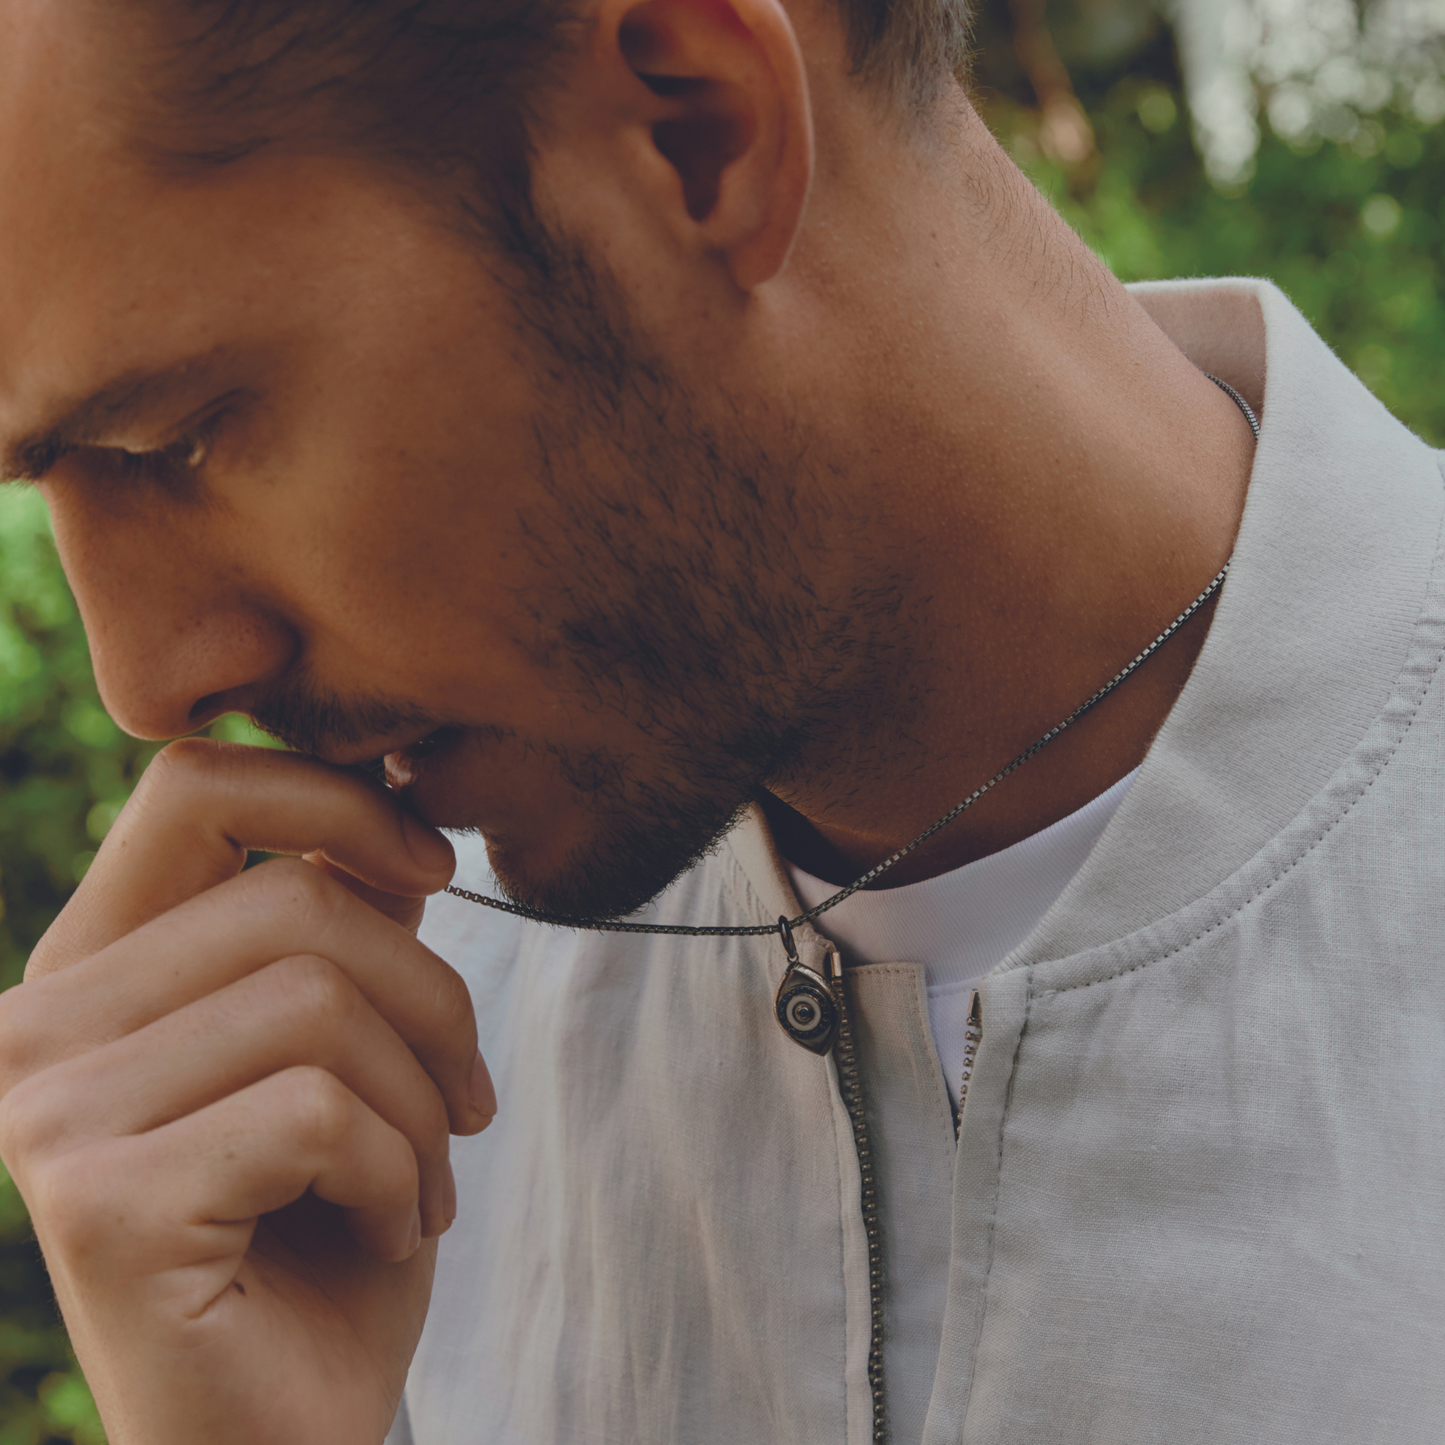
x,y
720,99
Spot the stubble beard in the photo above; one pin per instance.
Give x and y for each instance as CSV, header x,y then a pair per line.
x,y
676,542
674,549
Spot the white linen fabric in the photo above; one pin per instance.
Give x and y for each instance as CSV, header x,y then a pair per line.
x,y
961,923
1199,1190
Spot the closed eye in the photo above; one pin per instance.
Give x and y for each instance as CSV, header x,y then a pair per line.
x,y
173,466
168,463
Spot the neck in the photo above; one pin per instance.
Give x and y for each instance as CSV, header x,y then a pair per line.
x,y
1060,480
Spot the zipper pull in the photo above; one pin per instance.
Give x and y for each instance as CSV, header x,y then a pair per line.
x,y
972,1037
805,1007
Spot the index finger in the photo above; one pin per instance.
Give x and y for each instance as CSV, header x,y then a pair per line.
x,y
202,805
281,910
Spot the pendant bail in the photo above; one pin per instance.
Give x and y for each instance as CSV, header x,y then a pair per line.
x,y
785,931
805,1007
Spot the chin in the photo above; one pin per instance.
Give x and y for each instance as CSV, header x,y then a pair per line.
x,y
559,850
608,878
565,891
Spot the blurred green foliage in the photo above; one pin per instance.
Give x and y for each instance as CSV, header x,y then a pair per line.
x,y
1354,232
65,769
65,772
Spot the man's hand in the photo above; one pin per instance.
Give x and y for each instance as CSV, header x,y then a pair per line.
x,y
226,1098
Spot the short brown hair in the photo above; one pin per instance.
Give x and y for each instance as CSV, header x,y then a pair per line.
x,y
446,86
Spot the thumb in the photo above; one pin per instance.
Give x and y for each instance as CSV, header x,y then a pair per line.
x,y
399,907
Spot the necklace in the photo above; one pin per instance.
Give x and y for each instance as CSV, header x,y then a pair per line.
x,y
806,1006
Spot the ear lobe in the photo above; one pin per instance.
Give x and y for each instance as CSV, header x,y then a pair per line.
x,y
729,113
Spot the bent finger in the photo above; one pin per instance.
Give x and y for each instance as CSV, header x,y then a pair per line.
x,y
179,1205
296,1012
260,1149
282,909
199,808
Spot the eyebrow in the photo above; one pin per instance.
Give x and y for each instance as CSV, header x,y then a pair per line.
x,y
132,396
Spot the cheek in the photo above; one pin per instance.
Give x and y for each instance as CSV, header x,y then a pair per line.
x,y
403,495
393,589
169,620
118,559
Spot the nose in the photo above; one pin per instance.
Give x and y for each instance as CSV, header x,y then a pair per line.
x,y
176,638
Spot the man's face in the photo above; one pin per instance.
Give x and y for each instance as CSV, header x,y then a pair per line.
x,y
347,476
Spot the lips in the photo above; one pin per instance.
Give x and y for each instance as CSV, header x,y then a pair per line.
x,y
404,767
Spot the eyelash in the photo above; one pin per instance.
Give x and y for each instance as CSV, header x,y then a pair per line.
x,y
186,456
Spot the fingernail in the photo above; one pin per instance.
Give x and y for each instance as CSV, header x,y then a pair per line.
x,y
484,1096
414,1237
449,1195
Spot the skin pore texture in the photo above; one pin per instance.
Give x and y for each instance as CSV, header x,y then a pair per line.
x,y
794,453
650,538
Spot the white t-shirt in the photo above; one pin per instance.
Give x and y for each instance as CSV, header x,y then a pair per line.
x,y
960,924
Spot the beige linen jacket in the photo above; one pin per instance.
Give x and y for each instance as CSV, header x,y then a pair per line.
x,y
1199,1192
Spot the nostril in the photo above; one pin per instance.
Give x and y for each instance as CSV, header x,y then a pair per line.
x,y
206,708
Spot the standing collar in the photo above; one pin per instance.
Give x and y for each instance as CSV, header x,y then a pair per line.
x,y
1339,529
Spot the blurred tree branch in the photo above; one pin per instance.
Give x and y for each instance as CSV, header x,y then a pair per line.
x,y
1065,134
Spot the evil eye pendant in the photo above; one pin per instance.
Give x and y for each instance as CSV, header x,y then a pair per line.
x,y
805,1006
806,1009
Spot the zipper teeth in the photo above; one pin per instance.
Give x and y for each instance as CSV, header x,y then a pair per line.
x,y
851,1087
972,1037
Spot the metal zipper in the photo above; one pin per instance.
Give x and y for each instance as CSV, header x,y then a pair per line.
x,y
850,1085
972,1037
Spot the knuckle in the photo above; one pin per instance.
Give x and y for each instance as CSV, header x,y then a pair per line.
x,y
290,888
73,1207
25,1042
314,991
178,778
183,764
26,1124
320,1107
